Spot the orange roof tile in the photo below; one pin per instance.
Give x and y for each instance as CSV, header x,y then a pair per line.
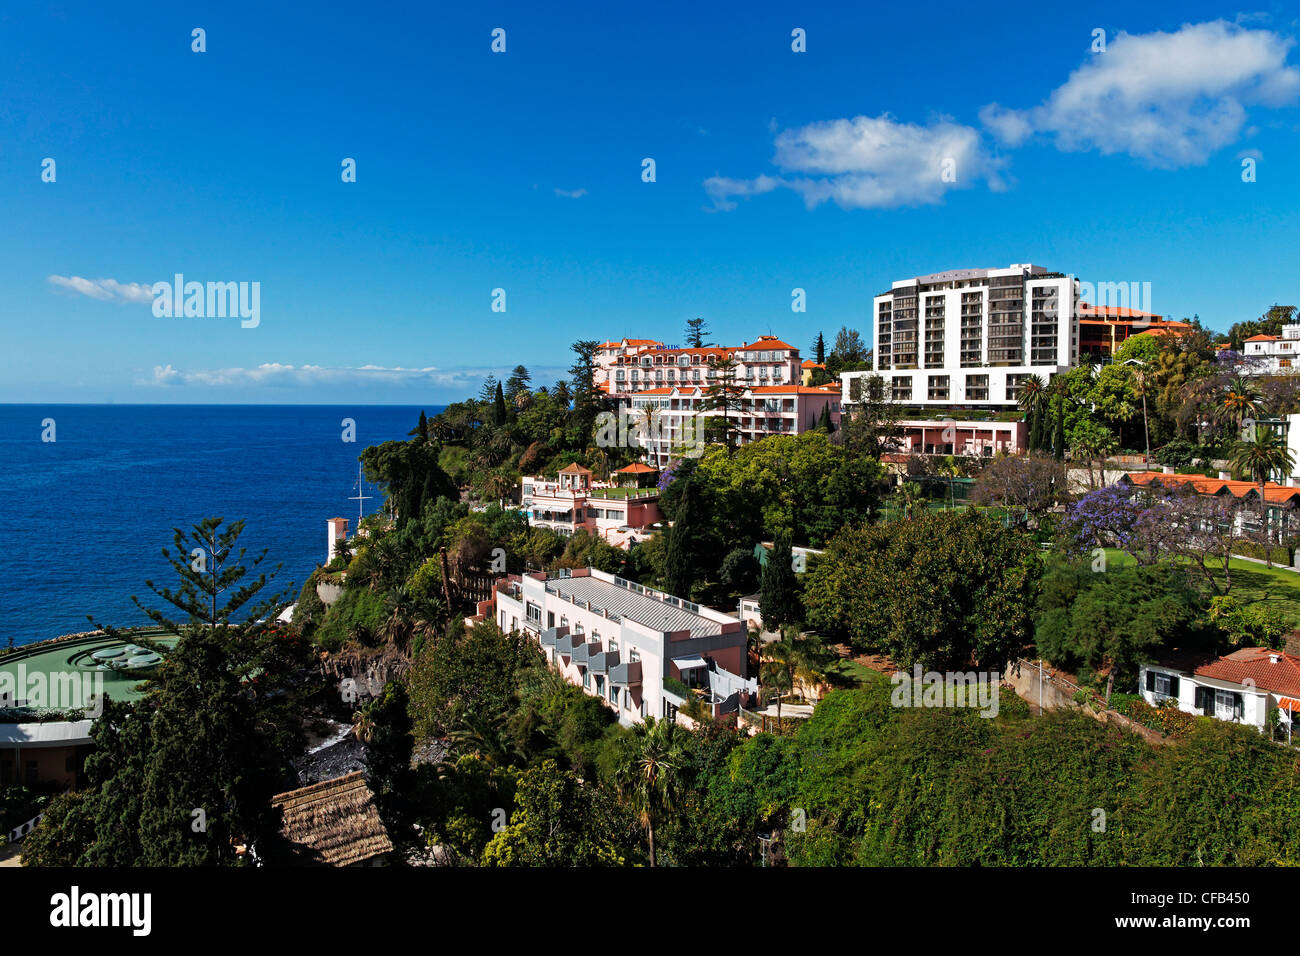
x,y
1263,338
1273,492
765,342
636,468
1256,663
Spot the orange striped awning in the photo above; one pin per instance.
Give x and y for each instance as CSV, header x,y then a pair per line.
x,y
1288,703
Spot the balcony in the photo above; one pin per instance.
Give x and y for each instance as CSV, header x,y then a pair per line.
x,y
626,674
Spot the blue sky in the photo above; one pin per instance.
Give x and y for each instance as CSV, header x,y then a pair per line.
x,y
775,170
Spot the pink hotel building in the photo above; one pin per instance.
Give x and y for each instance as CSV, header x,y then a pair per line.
x,y
621,641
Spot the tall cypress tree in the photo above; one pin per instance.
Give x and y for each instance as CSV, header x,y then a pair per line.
x,y
778,590
824,423
423,428
499,407
819,349
1058,440
681,546
1036,428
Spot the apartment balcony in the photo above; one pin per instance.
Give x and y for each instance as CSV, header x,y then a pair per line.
x,y
626,674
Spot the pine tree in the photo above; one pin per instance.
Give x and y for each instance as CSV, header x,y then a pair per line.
x,y
488,392
819,349
518,382
696,330
423,428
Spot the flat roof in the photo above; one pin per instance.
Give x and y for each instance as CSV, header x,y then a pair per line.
x,y
656,615
59,659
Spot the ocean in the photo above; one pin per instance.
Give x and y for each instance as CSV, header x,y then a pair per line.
x,y
90,511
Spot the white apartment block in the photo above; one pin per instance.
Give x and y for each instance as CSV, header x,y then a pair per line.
x,y
623,642
969,337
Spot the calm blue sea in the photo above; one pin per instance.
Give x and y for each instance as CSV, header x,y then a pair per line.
x,y
86,516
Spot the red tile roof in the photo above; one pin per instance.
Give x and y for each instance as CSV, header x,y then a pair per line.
x,y
1264,338
636,468
1114,312
1273,492
765,342
1256,664
575,469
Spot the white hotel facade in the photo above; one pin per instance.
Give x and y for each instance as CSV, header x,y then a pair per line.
x,y
969,337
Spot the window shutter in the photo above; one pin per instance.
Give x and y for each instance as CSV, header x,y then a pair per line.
x,y
1151,680
1173,685
1238,706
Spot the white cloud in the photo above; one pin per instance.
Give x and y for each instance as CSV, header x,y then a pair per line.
x,y
571,193
1168,99
105,290
277,375
869,163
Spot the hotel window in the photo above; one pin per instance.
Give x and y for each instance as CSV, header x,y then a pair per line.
x,y
977,388
577,628
534,613
586,679
564,621
613,645
633,655
618,374
902,388
684,360
1014,382
938,388
695,374
671,375
595,635
514,623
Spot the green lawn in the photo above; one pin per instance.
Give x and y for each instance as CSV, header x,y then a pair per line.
x,y
853,670
1250,583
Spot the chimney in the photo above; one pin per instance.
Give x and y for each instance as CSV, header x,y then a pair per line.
x,y
1225,476
338,533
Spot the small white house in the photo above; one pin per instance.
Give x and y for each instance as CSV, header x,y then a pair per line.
x,y
1242,687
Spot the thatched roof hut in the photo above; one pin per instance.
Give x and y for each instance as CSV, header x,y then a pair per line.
x,y
334,822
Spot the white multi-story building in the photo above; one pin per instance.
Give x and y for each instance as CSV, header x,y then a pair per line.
x,y
644,653
1273,354
969,337
674,418
630,366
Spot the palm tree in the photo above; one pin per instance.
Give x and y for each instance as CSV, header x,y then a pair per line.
x,y
1265,455
650,773
913,500
1240,400
363,722
500,487
1033,392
